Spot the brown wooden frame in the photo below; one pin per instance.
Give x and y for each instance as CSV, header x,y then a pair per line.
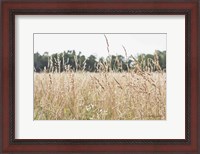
x,y
10,8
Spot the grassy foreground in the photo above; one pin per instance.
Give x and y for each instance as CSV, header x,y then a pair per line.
x,y
99,96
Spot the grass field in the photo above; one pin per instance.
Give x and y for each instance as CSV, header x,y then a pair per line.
x,y
100,96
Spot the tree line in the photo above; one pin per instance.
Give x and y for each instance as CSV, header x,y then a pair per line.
x,y
72,61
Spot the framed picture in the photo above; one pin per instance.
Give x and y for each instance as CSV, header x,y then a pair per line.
x,y
99,76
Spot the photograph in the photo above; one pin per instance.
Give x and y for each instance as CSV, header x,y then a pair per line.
x,y
100,76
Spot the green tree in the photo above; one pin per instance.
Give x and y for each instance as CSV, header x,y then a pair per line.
x,y
91,63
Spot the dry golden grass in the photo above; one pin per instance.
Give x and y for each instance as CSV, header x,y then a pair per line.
x,y
100,96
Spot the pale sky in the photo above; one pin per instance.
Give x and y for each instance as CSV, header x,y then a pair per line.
x,y
96,43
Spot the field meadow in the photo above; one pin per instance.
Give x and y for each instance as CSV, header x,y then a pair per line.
x,y
100,96
75,87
